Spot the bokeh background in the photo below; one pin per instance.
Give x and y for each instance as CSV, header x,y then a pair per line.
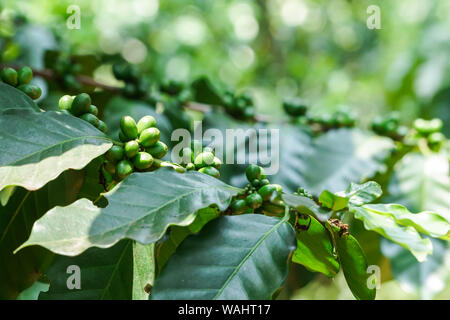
x,y
322,51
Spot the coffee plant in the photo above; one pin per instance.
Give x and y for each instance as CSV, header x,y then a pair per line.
x,y
95,205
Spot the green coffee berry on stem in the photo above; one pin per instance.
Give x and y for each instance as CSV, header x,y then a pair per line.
x,y
238,206
158,150
149,137
254,172
145,123
211,171
143,160
254,200
91,119
204,159
34,92
9,76
102,126
24,75
93,110
131,148
124,168
128,127
81,104
65,102
115,154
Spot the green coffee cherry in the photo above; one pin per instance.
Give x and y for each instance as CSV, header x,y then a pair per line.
x,y
204,159
143,160
34,92
217,163
264,182
128,127
254,200
102,126
91,119
436,138
238,206
124,168
93,110
158,150
295,107
211,171
255,183
268,192
254,172
427,127
24,75
65,102
190,166
81,104
149,137
115,154
145,123
131,148
9,76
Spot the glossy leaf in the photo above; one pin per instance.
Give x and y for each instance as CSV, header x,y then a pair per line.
x,y
177,234
333,201
19,271
385,225
306,206
38,146
103,274
12,98
353,262
141,207
360,194
233,257
315,248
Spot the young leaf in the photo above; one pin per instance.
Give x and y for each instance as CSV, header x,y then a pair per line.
x,y
38,146
360,194
353,262
315,249
429,223
141,207
233,257
333,201
407,236
12,98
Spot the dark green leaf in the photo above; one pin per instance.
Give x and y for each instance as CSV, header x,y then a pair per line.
x,y
38,146
203,91
233,257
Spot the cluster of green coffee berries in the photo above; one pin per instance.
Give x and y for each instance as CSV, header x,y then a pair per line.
x,y
298,109
259,196
141,149
338,119
389,126
304,193
431,130
202,159
21,80
136,86
239,106
81,106
66,70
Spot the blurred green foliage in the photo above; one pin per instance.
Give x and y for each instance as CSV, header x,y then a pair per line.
x,y
320,50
